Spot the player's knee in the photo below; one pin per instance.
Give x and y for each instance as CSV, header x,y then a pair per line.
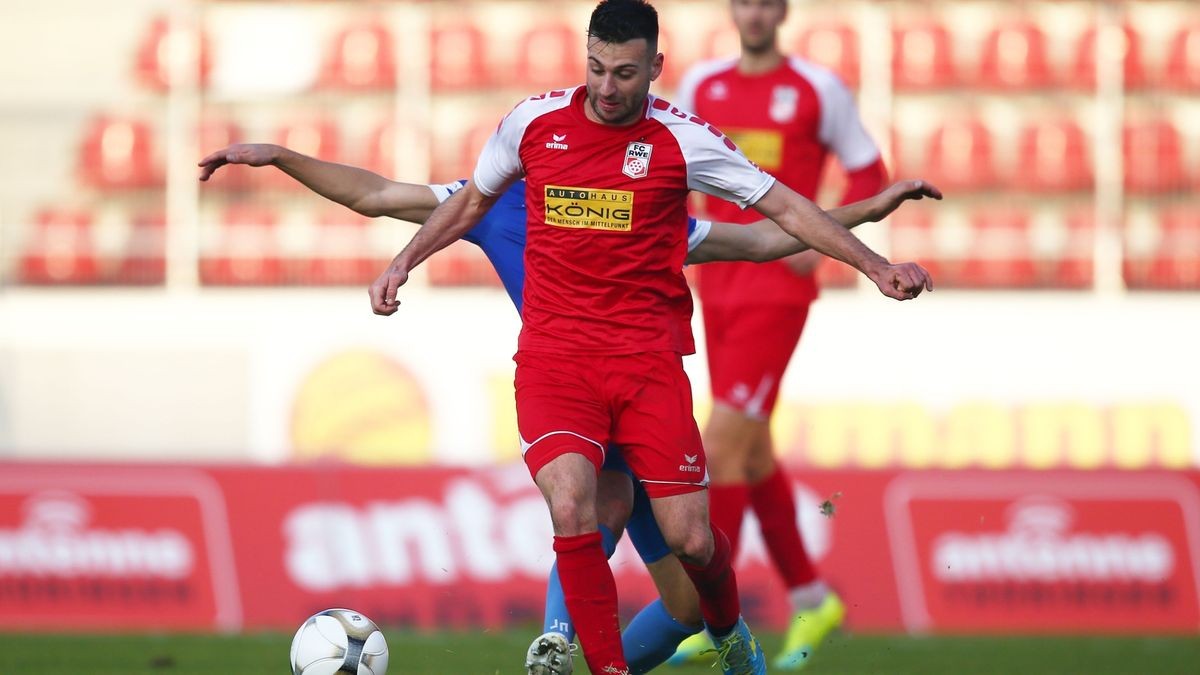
x,y
572,514
694,545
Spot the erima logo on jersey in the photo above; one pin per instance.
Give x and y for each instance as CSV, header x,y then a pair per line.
x,y
557,142
589,209
637,159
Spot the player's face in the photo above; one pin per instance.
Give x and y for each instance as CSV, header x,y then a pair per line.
x,y
618,79
758,22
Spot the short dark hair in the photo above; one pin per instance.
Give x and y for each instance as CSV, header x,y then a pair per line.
x,y
618,21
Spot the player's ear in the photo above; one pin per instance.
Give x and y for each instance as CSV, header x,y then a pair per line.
x,y
656,66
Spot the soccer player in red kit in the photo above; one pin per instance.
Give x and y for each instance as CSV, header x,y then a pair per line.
x,y
787,115
606,314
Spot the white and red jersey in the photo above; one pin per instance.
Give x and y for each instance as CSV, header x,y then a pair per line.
x,y
607,219
787,121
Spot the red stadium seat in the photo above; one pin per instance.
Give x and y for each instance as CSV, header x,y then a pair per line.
x,y
247,251
458,61
1014,57
463,265
143,260
836,274
60,249
1071,265
341,255
833,45
960,156
722,42
161,44
550,56
448,165
118,154
1053,157
1084,72
381,150
911,233
1183,60
315,137
1001,254
673,68
922,57
1153,153
1171,261
361,58
214,133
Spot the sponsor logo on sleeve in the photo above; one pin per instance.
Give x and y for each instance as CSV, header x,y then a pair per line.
x,y
589,209
637,160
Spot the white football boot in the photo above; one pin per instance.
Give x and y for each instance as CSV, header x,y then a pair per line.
x,y
550,654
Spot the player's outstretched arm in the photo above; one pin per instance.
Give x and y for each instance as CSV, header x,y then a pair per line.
x,y
803,220
360,190
448,222
764,240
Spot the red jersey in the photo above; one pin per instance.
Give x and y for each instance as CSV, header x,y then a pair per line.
x,y
606,230
787,121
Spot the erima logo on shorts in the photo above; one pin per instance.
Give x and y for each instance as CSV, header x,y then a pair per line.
x,y
588,209
690,467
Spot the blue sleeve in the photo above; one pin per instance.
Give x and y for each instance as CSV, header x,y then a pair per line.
x,y
501,235
691,226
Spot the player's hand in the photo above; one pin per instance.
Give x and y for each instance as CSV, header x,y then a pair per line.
x,y
883,204
902,282
250,154
383,291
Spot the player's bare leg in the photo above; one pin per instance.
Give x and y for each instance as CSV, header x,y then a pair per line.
x,y
706,558
728,440
569,484
816,610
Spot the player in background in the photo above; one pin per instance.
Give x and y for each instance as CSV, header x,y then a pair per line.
x,y
788,115
657,629
606,310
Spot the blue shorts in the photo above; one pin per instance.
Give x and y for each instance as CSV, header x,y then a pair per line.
x,y
642,528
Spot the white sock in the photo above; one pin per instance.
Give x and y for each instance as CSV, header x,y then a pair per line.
x,y
808,596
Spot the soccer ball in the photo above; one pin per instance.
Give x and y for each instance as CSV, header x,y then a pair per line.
x,y
339,641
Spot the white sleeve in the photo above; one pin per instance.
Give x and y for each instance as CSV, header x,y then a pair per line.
x,y
841,128
500,162
443,192
714,164
699,234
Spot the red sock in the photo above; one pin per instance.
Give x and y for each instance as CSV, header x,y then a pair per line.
x,y
591,597
717,587
775,507
726,509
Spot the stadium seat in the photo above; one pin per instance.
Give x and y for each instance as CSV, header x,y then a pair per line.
x,y
1069,255
361,58
960,155
341,253
673,68
911,233
461,265
161,44
380,155
117,154
216,132
1167,258
833,45
550,56
449,165
722,42
60,249
247,249
1183,60
1000,254
143,259
1084,71
458,61
1014,57
1053,157
316,137
836,274
922,57
1153,152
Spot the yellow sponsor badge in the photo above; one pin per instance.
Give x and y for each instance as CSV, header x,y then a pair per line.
x,y
589,209
761,146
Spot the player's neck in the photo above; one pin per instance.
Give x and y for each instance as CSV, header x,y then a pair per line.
x,y
760,62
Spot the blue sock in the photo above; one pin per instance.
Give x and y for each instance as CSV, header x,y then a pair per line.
x,y
651,638
557,619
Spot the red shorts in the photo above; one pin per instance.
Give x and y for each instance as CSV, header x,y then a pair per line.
x,y
749,347
641,403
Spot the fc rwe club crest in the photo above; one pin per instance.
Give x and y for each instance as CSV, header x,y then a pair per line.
x,y
637,160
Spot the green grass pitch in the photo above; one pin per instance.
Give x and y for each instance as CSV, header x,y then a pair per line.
x,y
502,653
